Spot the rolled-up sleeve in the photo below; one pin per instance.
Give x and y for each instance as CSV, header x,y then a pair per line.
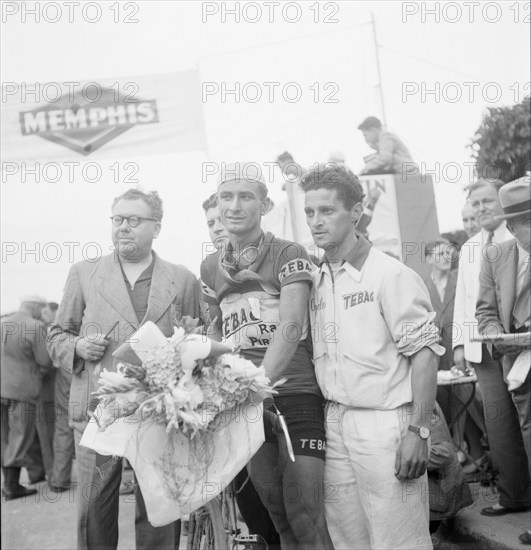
x,y
408,313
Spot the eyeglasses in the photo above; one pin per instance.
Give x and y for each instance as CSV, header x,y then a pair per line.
x,y
132,221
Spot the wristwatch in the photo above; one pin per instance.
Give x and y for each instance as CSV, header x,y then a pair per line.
x,y
422,432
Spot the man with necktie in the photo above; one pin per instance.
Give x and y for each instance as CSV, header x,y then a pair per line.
x,y
504,298
501,417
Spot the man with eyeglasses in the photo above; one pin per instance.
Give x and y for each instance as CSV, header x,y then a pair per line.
x,y
131,286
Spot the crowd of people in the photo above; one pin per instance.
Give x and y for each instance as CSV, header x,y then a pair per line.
x,y
358,336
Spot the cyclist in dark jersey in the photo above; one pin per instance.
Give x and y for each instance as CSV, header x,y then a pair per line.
x,y
257,287
251,507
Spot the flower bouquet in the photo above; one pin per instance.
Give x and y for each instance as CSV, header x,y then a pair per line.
x,y
184,411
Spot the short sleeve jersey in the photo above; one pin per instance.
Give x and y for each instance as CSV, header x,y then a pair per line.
x,y
249,300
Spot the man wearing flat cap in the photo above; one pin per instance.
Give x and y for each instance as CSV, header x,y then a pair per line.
x,y
501,417
503,304
23,361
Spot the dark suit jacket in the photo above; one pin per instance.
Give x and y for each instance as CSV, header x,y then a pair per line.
x,y
497,292
95,297
444,315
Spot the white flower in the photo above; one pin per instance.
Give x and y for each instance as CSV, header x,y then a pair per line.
x,y
244,369
193,397
193,348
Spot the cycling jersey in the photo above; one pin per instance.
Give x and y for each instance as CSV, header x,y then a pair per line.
x,y
249,300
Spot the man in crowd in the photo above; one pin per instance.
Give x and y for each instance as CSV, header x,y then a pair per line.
x,y
23,362
131,286
503,430
258,289
216,230
391,153
504,298
470,224
63,435
376,363
40,456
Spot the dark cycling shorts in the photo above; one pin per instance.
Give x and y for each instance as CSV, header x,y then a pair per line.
x,y
304,416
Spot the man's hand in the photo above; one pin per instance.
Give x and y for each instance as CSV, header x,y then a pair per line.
x,y
459,360
91,348
411,458
508,349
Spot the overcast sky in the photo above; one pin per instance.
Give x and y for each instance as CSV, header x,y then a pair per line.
x,y
482,55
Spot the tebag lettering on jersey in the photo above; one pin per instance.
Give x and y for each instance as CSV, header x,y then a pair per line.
x,y
298,265
357,298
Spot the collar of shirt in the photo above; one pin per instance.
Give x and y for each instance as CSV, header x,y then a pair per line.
x,y
147,274
355,258
499,234
440,284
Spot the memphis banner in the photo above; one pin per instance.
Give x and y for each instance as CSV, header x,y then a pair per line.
x,y
102,118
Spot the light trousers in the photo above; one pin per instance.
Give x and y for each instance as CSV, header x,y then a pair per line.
x,y
366,506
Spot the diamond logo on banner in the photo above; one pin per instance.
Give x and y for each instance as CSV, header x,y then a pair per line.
x,y
84,125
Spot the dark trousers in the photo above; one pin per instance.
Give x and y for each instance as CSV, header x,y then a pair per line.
x,y
254,513
504,434
39,460
63,437
18,431
522,400
98,500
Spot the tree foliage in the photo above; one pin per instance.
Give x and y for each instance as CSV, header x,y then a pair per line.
x,y
502,143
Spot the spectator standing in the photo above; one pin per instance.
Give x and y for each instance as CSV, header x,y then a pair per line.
x,y
505,295
133,285
470,224
63,437
503,429
23,360
40,455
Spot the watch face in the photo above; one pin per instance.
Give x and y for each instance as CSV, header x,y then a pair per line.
x,y
424,433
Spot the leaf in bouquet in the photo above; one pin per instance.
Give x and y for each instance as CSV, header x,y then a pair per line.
x,y
189,324
115,382
134,371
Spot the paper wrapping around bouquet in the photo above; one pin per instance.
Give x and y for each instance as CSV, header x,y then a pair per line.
x,y
178,475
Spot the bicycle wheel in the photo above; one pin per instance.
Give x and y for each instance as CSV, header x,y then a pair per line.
x,y
206,530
